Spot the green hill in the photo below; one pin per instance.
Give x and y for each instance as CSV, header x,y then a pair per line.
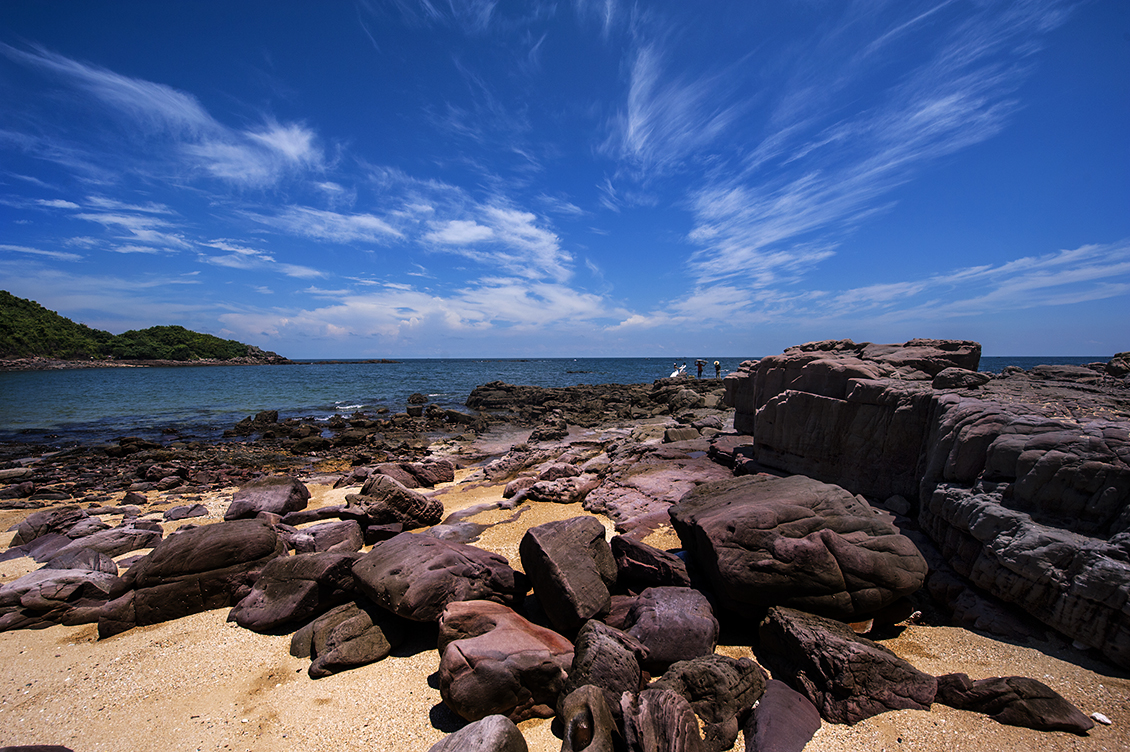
x,y
27,329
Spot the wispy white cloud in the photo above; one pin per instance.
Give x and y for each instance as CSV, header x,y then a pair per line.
x,y
334,227
57,255
58,204
239,256
174,125
667,118
807,185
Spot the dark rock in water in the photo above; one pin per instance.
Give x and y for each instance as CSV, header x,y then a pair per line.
x,y
783,721
673,623
383,500
571,567
278,494
353,634
200,569
495,733
493,661
660,719
1013,700
587,720
764,541
847,677
721,691
417,576
607,658
295,589
640,566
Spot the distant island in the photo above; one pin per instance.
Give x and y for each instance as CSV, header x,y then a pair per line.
x,y
33,337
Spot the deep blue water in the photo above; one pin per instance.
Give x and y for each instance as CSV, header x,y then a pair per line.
x,y
99,404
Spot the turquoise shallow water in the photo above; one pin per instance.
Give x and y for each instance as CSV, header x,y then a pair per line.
x,y
99,404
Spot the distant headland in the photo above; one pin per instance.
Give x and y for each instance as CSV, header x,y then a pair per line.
x,y
35,338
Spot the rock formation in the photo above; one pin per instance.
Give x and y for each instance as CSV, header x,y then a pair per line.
x,y
1022,480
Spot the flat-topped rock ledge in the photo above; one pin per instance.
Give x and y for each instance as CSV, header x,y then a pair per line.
x,y
1021,479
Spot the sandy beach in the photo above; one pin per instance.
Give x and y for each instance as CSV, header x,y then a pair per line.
x,y
201,683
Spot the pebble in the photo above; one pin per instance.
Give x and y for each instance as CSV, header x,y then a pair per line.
x,y
1100,718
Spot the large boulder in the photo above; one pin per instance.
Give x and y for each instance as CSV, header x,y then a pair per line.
x,y
277,494
55,596
764,541
417,576
295,589
493,661
384,500
207,567
571,566
587,721
847,677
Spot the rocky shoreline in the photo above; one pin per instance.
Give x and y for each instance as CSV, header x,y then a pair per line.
x,y
814,518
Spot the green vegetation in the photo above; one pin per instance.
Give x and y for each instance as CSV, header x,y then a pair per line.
x,y
27,329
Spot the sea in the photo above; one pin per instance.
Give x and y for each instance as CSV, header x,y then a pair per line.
x,y
97,405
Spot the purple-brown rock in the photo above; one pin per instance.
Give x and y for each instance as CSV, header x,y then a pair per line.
x,y
417,576
493,661
764,541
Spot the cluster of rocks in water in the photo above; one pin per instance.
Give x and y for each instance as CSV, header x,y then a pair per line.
x,y
862,481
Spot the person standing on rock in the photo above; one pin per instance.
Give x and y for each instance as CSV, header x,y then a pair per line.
x,y
699,363
717,370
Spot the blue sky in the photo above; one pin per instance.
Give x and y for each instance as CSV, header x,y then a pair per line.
x,y
426,178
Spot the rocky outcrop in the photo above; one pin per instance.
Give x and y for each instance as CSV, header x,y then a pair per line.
x,y
783,721
764,541
384,500
295,588
1022,480
495,733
